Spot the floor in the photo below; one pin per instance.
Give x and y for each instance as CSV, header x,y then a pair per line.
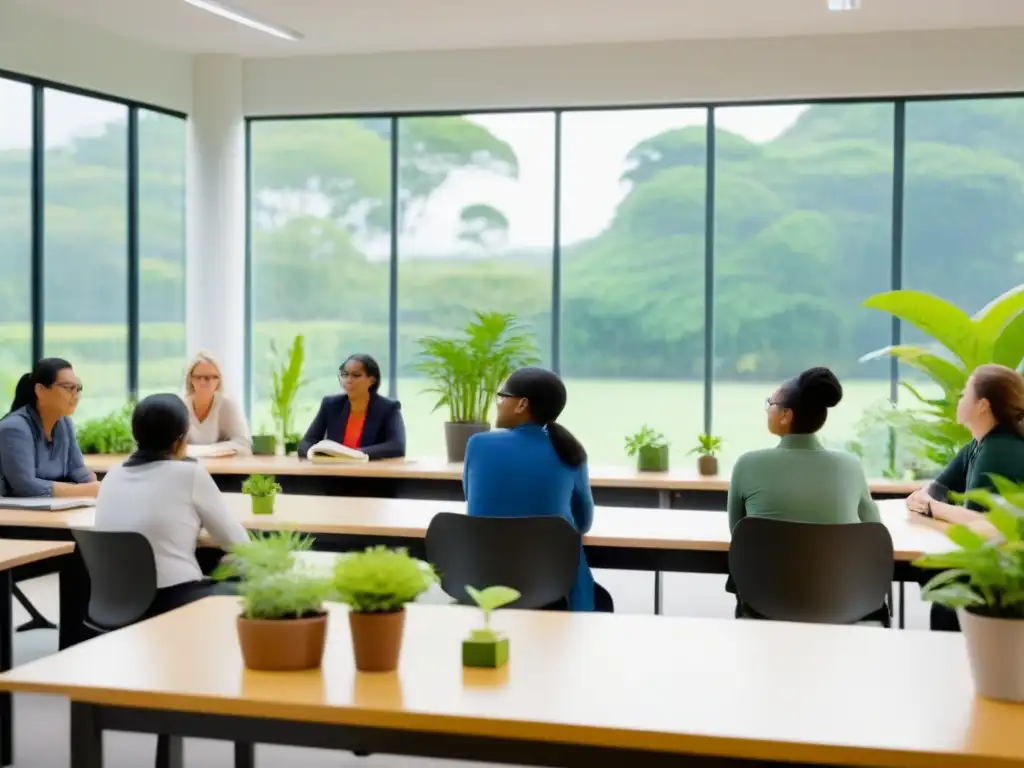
x,y
41,723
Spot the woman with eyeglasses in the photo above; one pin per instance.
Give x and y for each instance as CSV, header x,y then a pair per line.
x,y
39,455
215,419
361,418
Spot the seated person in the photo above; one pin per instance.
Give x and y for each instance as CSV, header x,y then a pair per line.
x,y
799,479
168,499
533,465
992,408
215,419
39,455
361,418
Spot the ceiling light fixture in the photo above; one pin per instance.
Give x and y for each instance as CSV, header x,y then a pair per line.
x,y
843,5
242,17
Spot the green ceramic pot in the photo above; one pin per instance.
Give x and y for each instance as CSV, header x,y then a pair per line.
x,y
653,459
263,505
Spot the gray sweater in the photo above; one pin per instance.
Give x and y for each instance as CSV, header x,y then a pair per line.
x,y
29,464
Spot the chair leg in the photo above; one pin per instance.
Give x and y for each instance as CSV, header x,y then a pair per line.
x,y
36,620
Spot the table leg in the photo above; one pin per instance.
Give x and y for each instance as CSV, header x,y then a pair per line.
x,y
657,593
170,752
86,736
245,755
903,605
74,601
6,660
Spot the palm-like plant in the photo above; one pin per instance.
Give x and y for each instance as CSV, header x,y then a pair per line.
x,y
466,372
286,381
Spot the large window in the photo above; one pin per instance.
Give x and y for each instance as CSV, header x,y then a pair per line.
x,y
321,216
802,236
162,146
85,253
633,205
476,232
15,234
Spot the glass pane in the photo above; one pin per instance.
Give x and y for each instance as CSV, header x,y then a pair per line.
x,y
802,236
162,146
320,250
85,260
477,234
15,234
633,191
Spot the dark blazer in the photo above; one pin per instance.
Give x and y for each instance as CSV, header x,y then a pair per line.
x,y
383,432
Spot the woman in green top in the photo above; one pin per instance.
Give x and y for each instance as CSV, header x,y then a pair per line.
x,y
992,408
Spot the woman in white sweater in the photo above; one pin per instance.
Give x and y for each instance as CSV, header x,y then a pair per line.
x,y
215,420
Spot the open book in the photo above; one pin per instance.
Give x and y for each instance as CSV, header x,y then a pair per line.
x,y
328,452
215,451
45,504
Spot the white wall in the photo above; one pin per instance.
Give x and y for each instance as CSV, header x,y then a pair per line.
x,y
44,46
676,72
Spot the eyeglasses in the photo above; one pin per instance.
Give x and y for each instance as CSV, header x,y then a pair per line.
x,y
206,378
343,375
768,403
71,389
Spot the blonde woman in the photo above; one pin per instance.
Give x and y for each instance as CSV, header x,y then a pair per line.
x,y
215,420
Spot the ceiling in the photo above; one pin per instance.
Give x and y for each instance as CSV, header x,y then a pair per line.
x,y
368,26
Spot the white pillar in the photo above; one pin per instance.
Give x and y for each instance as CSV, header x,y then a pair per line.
x,y
215,262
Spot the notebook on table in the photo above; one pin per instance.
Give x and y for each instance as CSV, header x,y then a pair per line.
x,y
46,505
210,451
330,452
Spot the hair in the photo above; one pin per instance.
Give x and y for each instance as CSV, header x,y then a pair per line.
x,y
545,394
369,364
1004,389
809,396
159,422
201,357
45,372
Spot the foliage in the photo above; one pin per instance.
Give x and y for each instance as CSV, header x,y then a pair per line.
x,y
111,434
381,580
491,599
261,486
647,437
707,445
286,381
984,576
465,373
273,583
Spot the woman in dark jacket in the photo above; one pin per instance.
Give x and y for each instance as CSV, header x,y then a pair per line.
x,y
360,418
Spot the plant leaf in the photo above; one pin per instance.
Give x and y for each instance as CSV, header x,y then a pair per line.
x,y
941,320
1008,348
965,538
492,598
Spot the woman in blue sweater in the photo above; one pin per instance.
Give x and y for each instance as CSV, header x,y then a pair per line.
x,y
533,465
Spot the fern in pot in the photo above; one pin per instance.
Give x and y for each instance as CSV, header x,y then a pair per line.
x,y
465,372
983,580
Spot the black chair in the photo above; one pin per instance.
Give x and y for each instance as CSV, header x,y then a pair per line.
x,y
122,577
537,556
826,574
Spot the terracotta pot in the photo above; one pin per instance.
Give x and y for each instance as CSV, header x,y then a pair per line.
x,y
282,645
377,639
707,466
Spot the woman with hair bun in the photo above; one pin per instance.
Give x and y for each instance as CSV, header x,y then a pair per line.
x,y
799,479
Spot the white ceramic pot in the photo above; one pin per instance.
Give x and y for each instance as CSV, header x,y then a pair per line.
x,y
996,651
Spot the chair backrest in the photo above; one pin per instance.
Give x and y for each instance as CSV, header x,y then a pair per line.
x,y
538,556
829,574
122,575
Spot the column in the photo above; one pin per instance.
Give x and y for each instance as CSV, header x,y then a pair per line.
x,y
215,262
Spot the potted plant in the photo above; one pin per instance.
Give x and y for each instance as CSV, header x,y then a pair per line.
x,y
262,489
983,581
376,584
485,647
291,443
111,434
650,449
264,443
707,450
283,624
465,373
285,383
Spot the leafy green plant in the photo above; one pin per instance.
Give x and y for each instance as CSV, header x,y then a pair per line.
x,y
381,580
273,583
647,437
111,434
261,486
984,576
466,372
489,600
285,382
707,445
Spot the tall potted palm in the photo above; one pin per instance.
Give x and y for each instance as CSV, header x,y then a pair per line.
x,y
465,372
286,381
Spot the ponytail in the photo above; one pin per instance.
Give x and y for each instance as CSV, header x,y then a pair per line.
x,y
24,393
569,449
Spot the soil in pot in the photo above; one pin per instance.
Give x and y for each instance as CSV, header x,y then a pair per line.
x,y
652,459
456,435
994,648
377,640
707,466
282,645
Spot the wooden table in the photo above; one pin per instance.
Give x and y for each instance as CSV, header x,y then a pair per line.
x,y
679,692
435,479
14,554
